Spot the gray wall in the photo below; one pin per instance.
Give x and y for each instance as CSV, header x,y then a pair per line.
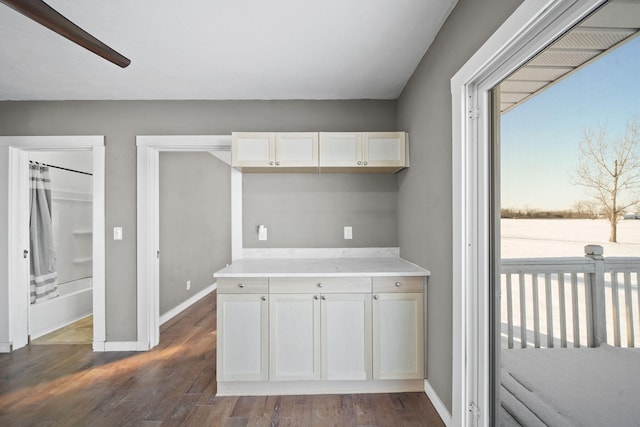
x,y
121,121
195,224
311,210
425,197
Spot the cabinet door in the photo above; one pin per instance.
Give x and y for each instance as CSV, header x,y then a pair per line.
x,y
384,149
346,336
297,149
294,337
242,340
398,336
340,149
253,149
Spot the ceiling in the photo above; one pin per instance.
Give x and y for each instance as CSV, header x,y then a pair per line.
x,y
206,49
612,25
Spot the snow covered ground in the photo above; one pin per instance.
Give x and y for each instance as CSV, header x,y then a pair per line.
x,y
569,386
533,238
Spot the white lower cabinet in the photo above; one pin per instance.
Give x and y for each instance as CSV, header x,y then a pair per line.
x,y
317,336
242,337
346,336
294,332
398,336
294,337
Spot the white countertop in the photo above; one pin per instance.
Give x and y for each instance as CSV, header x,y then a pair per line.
x,y
321,267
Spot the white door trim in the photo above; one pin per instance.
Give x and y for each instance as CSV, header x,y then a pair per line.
x,y
530,28
17,240
148,149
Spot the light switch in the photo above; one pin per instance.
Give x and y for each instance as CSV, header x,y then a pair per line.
x,y
348,233
117,233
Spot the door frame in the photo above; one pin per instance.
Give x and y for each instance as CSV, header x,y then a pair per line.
x,y
148,219
528,30
15,149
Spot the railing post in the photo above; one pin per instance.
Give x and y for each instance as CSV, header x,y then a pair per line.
x,y
599,320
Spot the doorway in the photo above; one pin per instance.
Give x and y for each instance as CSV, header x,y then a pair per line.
x,y
565,311
532,27
60,247
148,219
14,201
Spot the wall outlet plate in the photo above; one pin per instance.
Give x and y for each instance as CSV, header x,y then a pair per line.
x,y
262,233
348,233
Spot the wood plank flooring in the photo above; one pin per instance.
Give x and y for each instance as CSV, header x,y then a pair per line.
x,y
173,385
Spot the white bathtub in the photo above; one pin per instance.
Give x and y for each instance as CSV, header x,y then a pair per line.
x,y
74,302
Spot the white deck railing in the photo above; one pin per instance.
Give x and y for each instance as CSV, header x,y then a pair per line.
x,y
561,302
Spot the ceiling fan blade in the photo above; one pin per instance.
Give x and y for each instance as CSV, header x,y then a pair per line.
x,y
44,14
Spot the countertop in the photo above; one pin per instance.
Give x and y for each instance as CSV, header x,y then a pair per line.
x,y
321,267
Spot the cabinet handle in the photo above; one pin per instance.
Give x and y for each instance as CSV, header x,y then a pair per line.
x,y
376,297
277,163
271,163
319,285
323,297
366,163
241,285
263,298
315,297
359,162
398,284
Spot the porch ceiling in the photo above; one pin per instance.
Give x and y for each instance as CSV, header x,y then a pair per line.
x,y
614,24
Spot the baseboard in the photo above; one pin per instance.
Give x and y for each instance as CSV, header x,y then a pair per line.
x,y
279,388
188,303
142,346
5,347
125,346
437,403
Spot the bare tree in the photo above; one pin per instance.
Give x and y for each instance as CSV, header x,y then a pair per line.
x,y
587,208
610,170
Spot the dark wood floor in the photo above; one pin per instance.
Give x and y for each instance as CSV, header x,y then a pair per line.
x,y
174,384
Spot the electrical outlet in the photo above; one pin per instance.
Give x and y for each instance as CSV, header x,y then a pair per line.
x,y
188,284
348,233
262,232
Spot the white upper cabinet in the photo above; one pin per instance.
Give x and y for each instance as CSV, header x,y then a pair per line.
x,y
253,149
340,149
297,149
267,151
338,152
371,152
384,149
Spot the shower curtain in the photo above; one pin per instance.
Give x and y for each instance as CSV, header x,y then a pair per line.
x,y
44,277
